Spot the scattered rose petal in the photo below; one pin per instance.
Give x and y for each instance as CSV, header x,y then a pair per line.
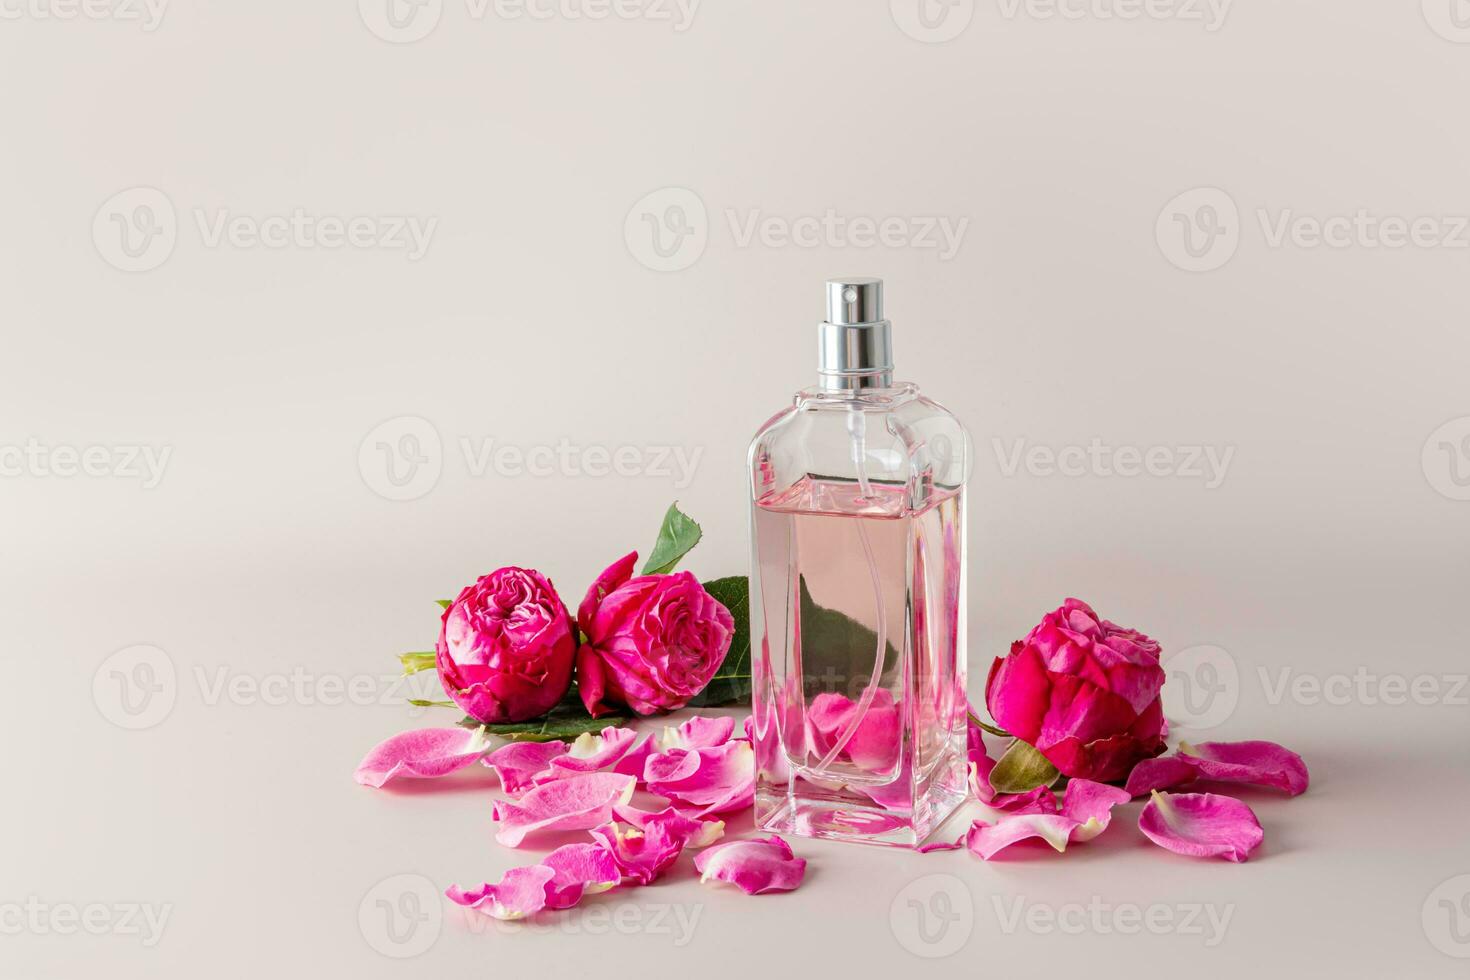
x,y
579,869
1201,825
422,754
519,763
711,780
942,846
1162,773
697,833
754,866
578,802
698,733
873,744
1261,763
644,852
1085,812
591,753
521,892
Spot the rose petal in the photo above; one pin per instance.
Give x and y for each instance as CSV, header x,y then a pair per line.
x,y
589,753
1162,773
699,732
422,754
613,576
1085,812
1201,825
643,853
1091,805
578,802
580,869
697,833
942,846
519,763
1261,763
715,780
754,866
520,893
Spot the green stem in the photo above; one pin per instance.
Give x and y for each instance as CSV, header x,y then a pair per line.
x,y
991,729
415,662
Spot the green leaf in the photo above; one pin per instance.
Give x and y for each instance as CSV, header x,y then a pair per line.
x,y
415,662
1022,769
731,682
836,650
676,538
444,603
564,722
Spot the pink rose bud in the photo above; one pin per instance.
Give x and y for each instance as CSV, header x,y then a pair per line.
x,y
652,642
506,647
1083,691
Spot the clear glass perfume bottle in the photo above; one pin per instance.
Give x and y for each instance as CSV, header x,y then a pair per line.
x,y
857,595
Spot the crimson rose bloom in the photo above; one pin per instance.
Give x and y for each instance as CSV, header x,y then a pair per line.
x,y
1083,691
651,642
506,647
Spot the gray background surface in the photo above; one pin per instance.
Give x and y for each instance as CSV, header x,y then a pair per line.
x,y
1310,591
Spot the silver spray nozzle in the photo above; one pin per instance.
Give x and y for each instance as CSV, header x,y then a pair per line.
x,y
854,348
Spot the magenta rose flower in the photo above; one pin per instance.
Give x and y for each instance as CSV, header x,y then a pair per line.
x,y
1083,691
506,647
649,643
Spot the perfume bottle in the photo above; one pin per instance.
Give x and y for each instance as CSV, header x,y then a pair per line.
x,y
857,595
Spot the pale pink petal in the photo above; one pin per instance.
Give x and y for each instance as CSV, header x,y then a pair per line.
x,y
637,758
698,733
1091,805
579,869
519,763
521,892
754,866
942,846
1201,825
714,780
1085,811
589,753
645,852
1162,773
697,833
612,576
1260,763
576,803
874,742
422,754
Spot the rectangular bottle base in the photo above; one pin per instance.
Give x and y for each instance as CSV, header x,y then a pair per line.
x,y
838,817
